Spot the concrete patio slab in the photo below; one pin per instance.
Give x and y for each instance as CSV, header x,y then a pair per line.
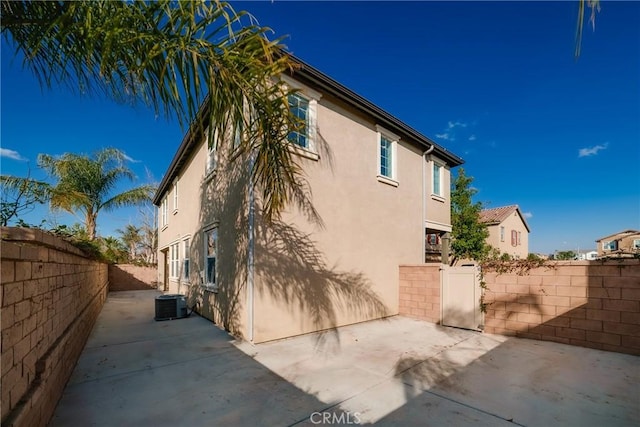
x,y
135,371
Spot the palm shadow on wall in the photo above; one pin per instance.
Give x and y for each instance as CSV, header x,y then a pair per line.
x,y
291,268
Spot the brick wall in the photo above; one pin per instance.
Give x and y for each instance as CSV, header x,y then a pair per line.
x,y
51,295
129,277
420,291
585,303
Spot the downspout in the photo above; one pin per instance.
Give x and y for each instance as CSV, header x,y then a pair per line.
x,y
251,249
424,201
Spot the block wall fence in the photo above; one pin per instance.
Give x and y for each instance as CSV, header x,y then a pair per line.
x,y
585,303
129,277
51,295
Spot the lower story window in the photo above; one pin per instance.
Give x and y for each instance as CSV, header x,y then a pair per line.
x,y
185,261
211,250
174,263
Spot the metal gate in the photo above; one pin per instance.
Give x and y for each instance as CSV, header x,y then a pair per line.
x,y
461,294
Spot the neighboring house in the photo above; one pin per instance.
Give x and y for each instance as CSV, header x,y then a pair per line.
x,y
587,255
508,230
379,186
626,242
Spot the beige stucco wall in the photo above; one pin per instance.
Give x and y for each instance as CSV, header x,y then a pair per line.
x,y
205,201
513,222
370,228
308,276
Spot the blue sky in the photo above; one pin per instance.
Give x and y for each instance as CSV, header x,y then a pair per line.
x,y
494,82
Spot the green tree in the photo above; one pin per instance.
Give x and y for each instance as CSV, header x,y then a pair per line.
x,y
179,57
112,249
19,196
132,238
85,184
468,235
565,255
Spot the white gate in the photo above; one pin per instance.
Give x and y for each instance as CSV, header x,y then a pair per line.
x,y
461,294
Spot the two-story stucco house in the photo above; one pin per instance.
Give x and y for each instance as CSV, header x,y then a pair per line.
x,y
623,243
378,185
508,230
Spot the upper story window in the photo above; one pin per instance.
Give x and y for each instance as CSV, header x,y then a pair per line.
x,y
303,104
386,157
437,180
163,212
636,244
175,196
502,233
610,245
212,153
299,107
387,153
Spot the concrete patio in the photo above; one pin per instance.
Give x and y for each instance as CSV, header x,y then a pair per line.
x,y
135,371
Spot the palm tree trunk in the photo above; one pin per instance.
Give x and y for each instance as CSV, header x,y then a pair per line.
x,y
90,225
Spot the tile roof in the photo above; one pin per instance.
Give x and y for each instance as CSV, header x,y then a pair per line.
x,y
620,234
496,215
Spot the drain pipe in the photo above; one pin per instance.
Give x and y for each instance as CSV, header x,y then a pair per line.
x,y
251,248
424,201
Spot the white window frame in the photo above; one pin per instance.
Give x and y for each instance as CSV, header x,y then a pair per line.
x,y
175,196
206,279
174,261
186,266
164,219
382,133
440,190
312,97
606,245
635,244
211,159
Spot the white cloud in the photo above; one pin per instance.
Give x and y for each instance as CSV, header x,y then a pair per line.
x,y
527,215
455,124
472,138
130,159
444,136
592,151
11,154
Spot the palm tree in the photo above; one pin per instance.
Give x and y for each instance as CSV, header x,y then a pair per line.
x,y
179,57
131,236
85,184
595,7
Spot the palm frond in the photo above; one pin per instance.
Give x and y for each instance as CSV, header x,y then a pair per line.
x,y
131,197
177,57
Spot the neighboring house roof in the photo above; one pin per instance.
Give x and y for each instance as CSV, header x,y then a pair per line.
x,y
312,76
619,235
495,216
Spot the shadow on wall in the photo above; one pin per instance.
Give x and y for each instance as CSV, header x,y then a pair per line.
x,y
122,280
292,271
590,305
294,274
